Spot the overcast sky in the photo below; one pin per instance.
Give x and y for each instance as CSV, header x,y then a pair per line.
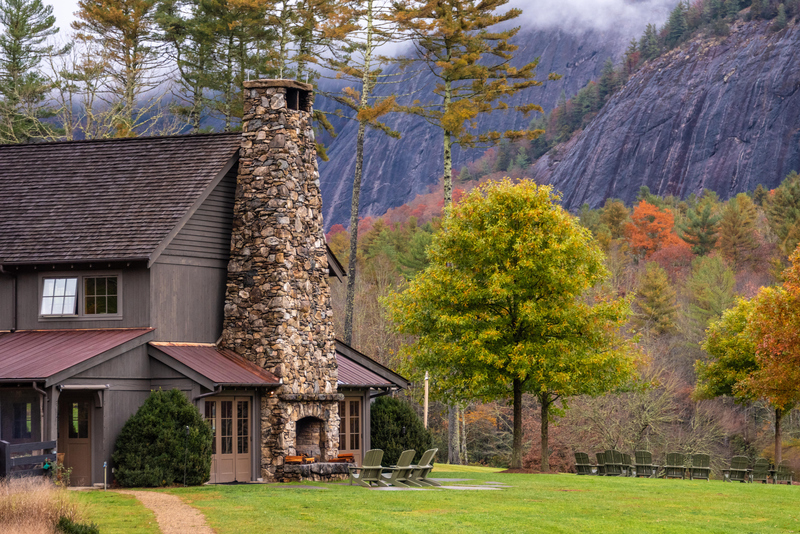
x,y
63,10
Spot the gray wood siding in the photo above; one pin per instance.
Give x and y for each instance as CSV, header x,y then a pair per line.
x,y
6,302
187,302
135,309
207,234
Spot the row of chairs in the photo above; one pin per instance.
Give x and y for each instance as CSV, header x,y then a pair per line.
x,y
402,475
677,465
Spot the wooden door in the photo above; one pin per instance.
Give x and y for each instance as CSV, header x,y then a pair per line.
x,y
75,436
231,429
350,427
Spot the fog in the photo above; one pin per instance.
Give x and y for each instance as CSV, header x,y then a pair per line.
x,y
625,16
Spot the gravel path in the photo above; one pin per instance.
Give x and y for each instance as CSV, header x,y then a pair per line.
x,y
173,516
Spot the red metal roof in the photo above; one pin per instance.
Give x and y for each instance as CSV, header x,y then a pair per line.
x,y
223,367
37,354
353,374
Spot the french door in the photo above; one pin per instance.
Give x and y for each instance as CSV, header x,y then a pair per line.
x,y
231,428
350,438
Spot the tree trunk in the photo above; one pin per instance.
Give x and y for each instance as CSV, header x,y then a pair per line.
x,y
778,436
352,260
463,441
516,447
545,435
447,180
453,435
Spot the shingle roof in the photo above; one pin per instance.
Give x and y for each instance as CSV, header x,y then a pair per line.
x,y
105,199
222,367
30,354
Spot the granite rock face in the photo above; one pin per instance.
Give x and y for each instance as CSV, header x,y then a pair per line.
x,y
396,170
718,113
277,308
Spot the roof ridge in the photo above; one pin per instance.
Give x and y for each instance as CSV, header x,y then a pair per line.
x,y
119,139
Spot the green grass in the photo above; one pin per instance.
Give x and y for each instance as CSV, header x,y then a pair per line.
x,y
115,513
534,503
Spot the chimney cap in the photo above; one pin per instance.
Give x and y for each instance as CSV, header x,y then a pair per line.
x,y
289,84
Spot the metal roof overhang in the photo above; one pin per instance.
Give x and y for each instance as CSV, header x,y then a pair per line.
x,y
373,367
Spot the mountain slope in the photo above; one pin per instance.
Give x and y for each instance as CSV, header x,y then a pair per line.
x,y
395,171
722,114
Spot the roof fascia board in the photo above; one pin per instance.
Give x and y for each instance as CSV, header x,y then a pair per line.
x,y
334,264
180,367
372,365
188,215
103,357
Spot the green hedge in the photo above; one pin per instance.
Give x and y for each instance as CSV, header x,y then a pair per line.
x,y
151,448
395,427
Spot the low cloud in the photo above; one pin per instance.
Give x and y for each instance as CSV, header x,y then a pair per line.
x,y
578,16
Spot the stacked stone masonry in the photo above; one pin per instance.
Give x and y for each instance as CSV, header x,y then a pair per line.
x,y
277,308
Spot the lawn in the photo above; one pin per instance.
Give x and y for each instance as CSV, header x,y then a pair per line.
x,y
533,503
115,513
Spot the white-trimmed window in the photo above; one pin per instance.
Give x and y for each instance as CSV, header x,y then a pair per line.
x,y
89,296
59,296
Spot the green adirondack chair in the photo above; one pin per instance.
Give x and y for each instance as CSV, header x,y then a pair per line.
x,y
627,464
783,473
399,474
614,464
644,465
761,471
738,471
370,471
701,467
419,473
582,464
674,466
601,463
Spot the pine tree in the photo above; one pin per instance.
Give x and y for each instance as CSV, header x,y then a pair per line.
x,y
459,42
732,8
522,161
737,227
780,20
125,32
26,25
677,26
656,306
759,195
615,216
607,81
783,212
701,229
648,44
712,288
755,9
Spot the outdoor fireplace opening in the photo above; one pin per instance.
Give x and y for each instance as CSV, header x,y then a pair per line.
x,y
310,438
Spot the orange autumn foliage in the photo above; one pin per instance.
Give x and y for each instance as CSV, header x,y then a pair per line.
x,y
651,229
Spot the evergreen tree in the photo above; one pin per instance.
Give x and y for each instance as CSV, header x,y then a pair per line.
x,y
522,161
677,26
783,213
737,229
26,26
700,230
732,8
464,175
471,58
648,43
712,287
615,216
780,20
656,306
607,82
755,9
759,195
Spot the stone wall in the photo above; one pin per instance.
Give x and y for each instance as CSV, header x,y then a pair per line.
x,y
277,308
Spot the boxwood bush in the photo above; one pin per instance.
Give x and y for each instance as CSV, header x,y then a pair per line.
x,y
150,449
395,427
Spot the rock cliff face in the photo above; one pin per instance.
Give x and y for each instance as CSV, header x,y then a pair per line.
x,y
722,114
395,171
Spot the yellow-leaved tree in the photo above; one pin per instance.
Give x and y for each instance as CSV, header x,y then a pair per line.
x,y
511,304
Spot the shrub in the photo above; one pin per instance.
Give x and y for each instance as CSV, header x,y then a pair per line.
x,y
151,447
33,505
395,427
68,526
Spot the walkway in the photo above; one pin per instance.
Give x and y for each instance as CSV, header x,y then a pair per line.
x,y
173,516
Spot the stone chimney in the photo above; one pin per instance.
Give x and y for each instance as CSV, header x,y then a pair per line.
x,y
277,307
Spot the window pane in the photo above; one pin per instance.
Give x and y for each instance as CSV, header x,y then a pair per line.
x,y
111,305
100,286
111,287
58,305
69,306
242,426
101,304
72,287
226,426
47,305
49,285
89,284
211,419
22,420
91,306
61,287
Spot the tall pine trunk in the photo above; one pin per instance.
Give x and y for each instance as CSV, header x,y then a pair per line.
x,y
462,442
516,447
447,180
453,435
352,260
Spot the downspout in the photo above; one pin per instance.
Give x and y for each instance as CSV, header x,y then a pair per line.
x,y
13,297
210,393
